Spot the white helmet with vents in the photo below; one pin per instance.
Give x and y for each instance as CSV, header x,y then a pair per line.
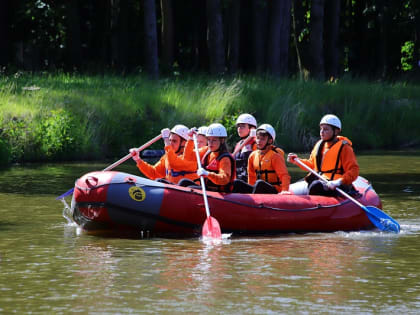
x,y
216,130
247,119
202,130
269,129
181,131
331,120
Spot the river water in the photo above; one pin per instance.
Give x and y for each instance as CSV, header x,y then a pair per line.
x,y
47,265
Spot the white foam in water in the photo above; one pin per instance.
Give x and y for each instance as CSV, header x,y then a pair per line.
x,y
215,241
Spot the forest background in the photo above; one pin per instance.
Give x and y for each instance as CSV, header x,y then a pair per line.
x,y
90,79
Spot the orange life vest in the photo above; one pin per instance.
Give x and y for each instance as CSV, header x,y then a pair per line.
x,y
264,169
214,167
329,164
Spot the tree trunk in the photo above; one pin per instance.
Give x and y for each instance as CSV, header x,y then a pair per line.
x,y
150,42
279,34
5,47
259,13
74,47
234,36
316,39
295,34
123,34
215,40
285,37
167,32
382,43
100,48
332,28
199,35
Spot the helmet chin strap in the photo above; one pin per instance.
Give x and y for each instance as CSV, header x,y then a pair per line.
x,y
267,144
180,147
333,136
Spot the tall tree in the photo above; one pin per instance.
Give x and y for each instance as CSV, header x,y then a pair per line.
x,y
234,35
150,42
332,28
317,39
279,34
74,46
167,33
215,39
5,45
259,13
122,34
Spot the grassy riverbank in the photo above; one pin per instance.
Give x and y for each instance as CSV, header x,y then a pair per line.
x,y
74,117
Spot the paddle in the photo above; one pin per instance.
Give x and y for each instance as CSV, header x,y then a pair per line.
x,y
211,227
120,161
380,219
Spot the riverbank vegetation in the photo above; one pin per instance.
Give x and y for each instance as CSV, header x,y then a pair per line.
x,y
77,117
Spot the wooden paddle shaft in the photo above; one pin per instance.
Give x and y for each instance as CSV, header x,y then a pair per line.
x,y
125,158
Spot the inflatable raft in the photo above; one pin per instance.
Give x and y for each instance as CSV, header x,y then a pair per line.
x,y
108,201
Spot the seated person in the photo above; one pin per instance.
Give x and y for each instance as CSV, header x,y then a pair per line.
x,y
245,125
218,165
332,157
266,167
175,140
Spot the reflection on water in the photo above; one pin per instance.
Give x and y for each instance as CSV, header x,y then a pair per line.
x,y
48,265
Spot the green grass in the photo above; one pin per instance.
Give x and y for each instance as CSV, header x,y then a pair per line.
x,y
73,117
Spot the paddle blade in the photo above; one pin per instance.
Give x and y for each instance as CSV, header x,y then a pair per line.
x,y
65,194
381,220
211,228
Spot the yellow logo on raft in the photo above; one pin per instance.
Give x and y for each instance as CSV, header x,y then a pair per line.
x,y
136,193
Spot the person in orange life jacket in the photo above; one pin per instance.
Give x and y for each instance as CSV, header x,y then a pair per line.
x,y
246,124
266,167
175,140
332,157
218,165
187,160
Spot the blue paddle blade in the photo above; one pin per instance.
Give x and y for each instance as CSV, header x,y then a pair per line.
x,y
381,220
65,194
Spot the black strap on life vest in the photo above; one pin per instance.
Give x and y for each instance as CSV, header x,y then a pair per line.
x,y
260,172
336,169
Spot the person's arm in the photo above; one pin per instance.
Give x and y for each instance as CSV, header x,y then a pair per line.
x,y
225,172
252,178
152,171
178,162
280,168
350,166
308,162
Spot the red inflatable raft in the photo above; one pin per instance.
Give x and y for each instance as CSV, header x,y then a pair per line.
x,y
121,202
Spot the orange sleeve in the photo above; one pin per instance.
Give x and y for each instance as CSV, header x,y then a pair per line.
x,y
252,178
189,151
225,172
350,166
309,162
153,171
178,162
279,166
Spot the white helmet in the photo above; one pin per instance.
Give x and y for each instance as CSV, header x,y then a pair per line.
x,y
202,130
331,120
268,128
247,119
216,130
181,131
